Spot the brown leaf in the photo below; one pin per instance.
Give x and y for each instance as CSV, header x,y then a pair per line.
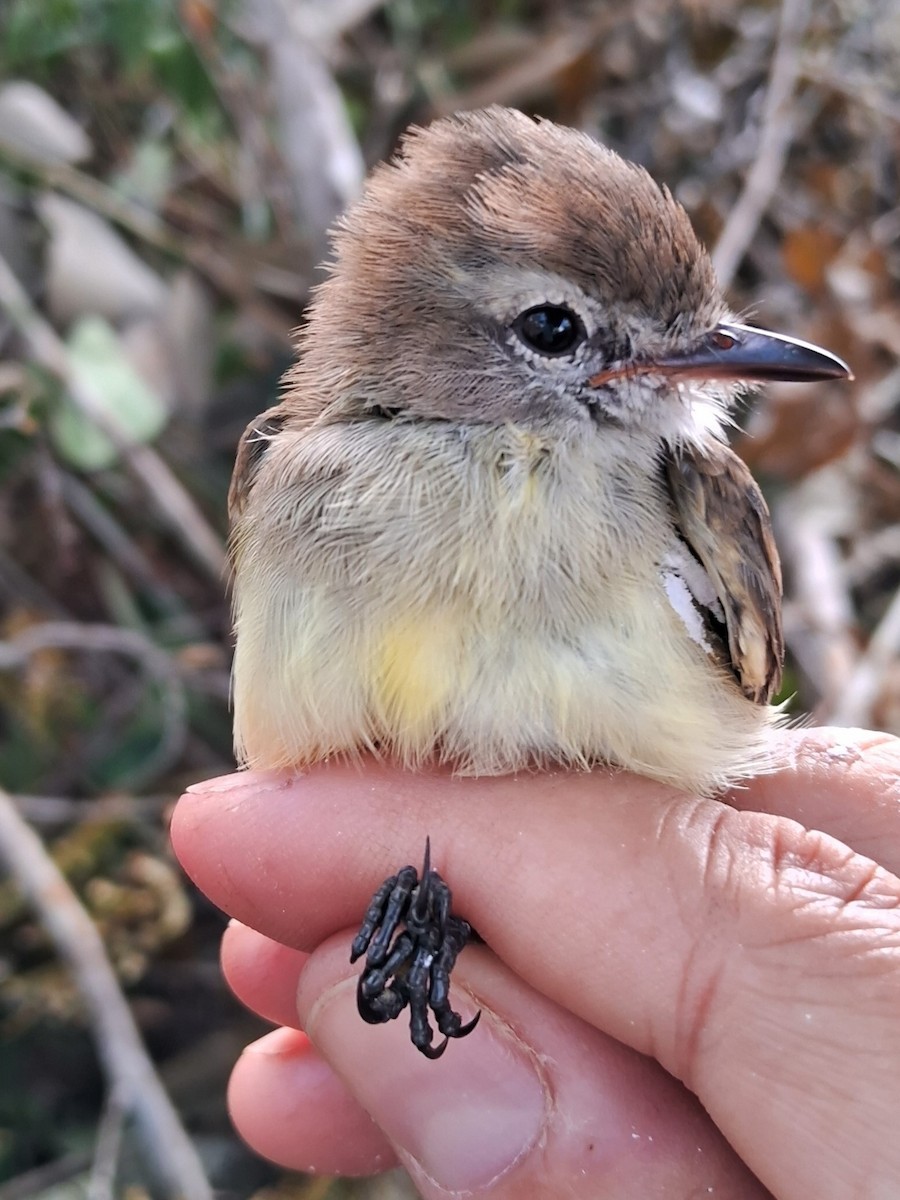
x,y
799,430
806,253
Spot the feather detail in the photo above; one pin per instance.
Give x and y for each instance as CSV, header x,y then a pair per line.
x,y
724,520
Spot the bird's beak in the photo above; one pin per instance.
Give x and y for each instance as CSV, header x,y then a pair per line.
x,y
739,352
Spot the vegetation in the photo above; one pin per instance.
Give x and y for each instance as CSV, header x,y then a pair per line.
x,y
168,172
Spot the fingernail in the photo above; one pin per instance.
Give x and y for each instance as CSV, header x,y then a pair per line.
x,y
220,783
241,783
464,1120
854,744
882,750
282,1043
847,745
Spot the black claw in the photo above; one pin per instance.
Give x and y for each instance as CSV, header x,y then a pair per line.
x,y
411,941
465,1030
434,1052
422,893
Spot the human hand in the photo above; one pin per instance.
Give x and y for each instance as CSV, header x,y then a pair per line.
x,y
635,937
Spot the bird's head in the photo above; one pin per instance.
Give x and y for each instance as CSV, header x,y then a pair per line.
x,y
502,269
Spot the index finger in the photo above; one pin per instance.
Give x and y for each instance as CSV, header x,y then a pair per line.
x,y
755,959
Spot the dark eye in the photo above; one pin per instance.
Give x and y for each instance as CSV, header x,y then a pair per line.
x,y
549,329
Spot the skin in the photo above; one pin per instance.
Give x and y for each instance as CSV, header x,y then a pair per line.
x,y
682,998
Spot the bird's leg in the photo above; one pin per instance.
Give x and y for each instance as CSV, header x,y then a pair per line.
x,y
386,912
411,942
457,934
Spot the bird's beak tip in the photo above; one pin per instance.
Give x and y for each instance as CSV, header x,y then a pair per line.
x,y
741,353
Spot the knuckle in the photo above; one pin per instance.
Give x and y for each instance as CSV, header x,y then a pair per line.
x,y
777,911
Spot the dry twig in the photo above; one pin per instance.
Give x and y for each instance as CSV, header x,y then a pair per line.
x,y
169,1152
324,24
163,489
102,1183
322,162
63,810
857,699
821,640
536,69
233,280
121,548
776,132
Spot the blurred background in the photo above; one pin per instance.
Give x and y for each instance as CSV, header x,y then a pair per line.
x,y
168,173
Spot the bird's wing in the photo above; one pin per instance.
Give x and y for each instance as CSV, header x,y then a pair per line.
x,y
250,451
723,518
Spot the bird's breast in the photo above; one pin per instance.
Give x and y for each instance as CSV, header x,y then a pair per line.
x,y
493,600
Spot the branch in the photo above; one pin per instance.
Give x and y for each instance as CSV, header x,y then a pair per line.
x,y
819,624
131,1076
165,491
776,133
860,694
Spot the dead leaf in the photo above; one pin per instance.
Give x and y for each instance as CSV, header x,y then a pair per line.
x,y
807,253
90,269
798,430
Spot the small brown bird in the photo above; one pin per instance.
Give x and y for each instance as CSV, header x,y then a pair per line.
x,y
494,521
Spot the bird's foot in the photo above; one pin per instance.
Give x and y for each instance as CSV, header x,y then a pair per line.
x,y
411,941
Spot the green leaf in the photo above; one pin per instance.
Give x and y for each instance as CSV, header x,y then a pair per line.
x,y
101,365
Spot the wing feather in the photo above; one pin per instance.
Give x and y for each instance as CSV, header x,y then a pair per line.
x,y
250,452
723,518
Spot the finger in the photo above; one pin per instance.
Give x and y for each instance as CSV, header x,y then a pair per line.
x,y
307,878
837,782
757,961
845,782
534,1103
677,1152
289,1105
262,974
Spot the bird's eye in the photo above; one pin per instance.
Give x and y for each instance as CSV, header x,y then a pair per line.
x,y
549,329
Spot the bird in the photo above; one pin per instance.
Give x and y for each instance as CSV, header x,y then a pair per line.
x,y
494,521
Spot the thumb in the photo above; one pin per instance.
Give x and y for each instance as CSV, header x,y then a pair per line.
x,y
534,1102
